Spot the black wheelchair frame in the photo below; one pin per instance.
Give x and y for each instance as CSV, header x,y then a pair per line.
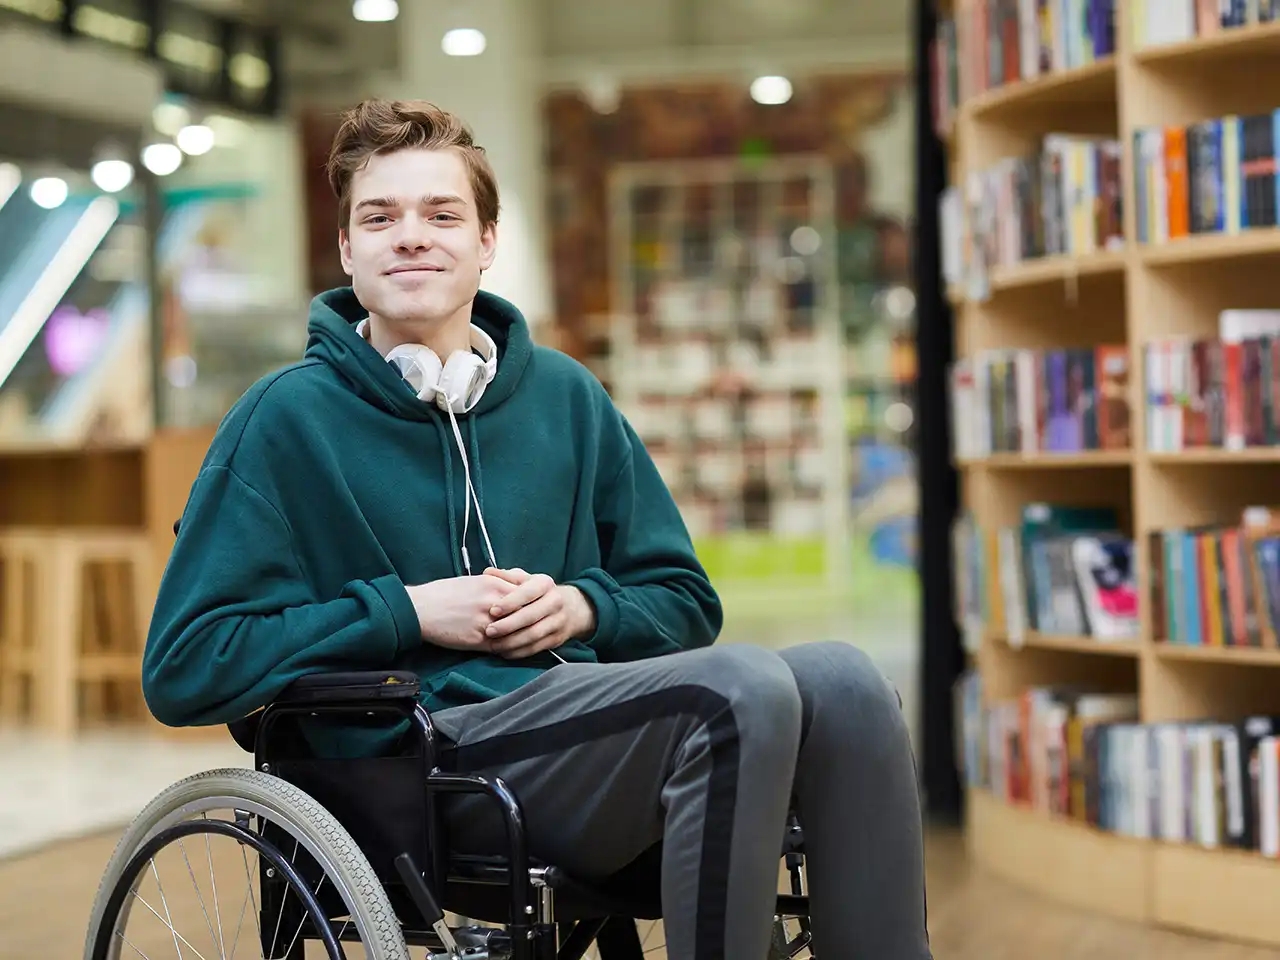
x,y
390,805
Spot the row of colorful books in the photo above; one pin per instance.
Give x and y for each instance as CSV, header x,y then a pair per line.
x,y
1219,392
991,43
1060,570
1213,176
1217,585
1041,401
1157,22
1082,754
1069,571
1064,198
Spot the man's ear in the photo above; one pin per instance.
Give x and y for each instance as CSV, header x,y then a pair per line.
x,y
488,246
344,251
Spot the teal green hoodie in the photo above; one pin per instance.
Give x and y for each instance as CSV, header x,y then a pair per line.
x,y
330,486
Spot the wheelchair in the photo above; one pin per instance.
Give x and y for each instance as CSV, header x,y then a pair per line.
x,y
344,852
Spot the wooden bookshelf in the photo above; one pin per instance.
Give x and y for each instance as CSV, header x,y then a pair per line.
x,y
1133,296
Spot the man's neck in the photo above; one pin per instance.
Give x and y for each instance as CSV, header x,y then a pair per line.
x,y
443,338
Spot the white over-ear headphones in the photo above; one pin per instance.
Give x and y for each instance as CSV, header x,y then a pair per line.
x,y
455,385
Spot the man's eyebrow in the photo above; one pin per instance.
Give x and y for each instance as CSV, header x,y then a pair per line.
x,y
441,199
382,203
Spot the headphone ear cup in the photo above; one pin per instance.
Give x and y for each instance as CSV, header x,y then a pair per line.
x,y
463,381
419,367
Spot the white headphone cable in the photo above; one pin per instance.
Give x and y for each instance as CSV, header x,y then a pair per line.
x,y
471,495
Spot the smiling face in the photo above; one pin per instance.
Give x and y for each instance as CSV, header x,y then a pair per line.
x,y
413,245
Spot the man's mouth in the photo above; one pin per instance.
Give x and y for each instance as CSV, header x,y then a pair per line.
x,y
415,268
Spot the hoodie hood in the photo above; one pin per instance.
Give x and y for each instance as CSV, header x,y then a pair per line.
x,y
332,339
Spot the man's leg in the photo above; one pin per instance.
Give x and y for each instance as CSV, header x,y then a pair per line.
x,y
858,803
696,749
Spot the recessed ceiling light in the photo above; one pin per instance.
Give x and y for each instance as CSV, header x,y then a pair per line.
x,y
162,159
195,139
463,42
375,11
771,90
112,176
49,192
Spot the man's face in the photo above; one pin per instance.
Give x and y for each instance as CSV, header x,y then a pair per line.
x,y
413,246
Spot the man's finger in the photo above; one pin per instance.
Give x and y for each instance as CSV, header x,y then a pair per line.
x,y
515,575
520,619
535,639
529,591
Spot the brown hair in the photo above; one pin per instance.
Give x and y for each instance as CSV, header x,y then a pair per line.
x,y
385,126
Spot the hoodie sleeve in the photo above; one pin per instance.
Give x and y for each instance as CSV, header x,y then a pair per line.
x,y
235,621
651,594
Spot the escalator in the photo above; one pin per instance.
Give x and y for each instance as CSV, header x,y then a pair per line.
x,y
42,252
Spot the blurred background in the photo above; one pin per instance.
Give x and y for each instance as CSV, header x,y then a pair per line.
x,y
710,203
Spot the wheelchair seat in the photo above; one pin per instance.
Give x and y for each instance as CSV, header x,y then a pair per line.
x,y
381,818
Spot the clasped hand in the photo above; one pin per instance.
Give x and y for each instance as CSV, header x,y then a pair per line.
x,y
511,613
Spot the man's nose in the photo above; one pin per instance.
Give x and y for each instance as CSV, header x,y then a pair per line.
x,y
414,234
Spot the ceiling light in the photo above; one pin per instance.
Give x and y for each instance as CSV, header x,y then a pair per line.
x,y
375,11
162,159
463,42
195,139
771,90
49,192
169,117
112,176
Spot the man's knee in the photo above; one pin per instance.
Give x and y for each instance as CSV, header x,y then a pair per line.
x,y
757,686
842,673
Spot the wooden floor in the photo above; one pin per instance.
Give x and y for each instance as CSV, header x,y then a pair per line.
x,y
45,898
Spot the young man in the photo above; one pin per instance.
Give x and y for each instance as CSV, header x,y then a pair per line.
x,y
427,490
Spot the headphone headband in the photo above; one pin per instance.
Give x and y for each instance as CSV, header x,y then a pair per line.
x,y
455,385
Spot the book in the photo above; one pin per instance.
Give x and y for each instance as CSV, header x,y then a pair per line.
x,y
1064,400
1082,754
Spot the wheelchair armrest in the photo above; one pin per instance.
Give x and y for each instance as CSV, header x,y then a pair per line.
x,y
350,687
330,689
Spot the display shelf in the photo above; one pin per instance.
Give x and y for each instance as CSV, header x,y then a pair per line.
x,y
1093,646
1093,81
1055,269
1224,893
1199,456
1245,656
1055,461
1252,242
1069,861
1145,298
1216,49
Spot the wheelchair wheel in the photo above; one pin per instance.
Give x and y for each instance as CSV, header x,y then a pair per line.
x,y
287,861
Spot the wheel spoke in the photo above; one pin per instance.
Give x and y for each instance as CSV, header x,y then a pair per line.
x,y
217,911
168,923
213,937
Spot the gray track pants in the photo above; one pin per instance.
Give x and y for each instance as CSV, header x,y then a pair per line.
x,y
707,750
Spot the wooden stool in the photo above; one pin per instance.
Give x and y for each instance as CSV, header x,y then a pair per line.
x,y
73,622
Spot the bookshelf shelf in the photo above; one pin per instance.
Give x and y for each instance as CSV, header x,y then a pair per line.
x,y
1245,656
1067,860
1215,457
1092,82
1204,248
1055,269
1053,461
1215,48
1131,321
1087,645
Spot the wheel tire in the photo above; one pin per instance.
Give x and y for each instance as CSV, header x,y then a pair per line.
x,y
343,862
